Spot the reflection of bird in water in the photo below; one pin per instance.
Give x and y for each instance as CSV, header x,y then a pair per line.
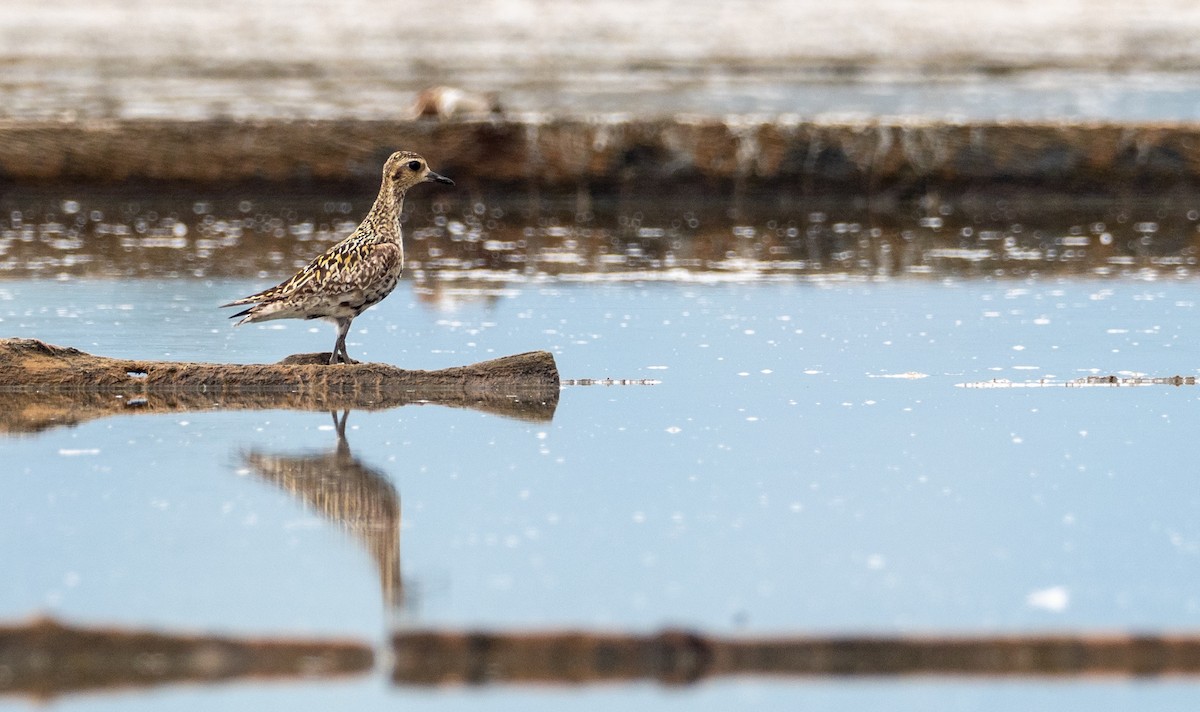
x,y
357,272
437,295
358,498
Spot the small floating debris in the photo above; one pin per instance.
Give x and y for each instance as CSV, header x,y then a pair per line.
x,y
611,382
960,253
1086,382
1055,599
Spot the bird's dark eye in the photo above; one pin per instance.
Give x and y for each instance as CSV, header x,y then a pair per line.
x,y
414,165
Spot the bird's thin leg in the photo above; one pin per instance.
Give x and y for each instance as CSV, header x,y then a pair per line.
x,y
343,447
339,347
340,425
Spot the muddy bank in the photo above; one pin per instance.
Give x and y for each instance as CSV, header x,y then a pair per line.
x,y
354,58
324,39
42,382
613,152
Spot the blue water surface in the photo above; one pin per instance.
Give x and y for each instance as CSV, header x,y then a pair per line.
x,y
814,458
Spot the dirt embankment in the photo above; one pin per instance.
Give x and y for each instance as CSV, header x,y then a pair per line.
x,y
524,152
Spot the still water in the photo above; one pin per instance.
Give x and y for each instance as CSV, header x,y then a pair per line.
x,y
806,457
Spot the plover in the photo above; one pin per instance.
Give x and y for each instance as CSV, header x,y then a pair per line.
x,y
356,273
445,103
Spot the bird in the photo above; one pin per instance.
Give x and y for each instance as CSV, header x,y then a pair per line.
x,y
356,273
446,103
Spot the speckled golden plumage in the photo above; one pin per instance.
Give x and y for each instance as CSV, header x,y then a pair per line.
x,y
357,272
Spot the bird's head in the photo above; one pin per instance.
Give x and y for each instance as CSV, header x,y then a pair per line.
x,y
404,169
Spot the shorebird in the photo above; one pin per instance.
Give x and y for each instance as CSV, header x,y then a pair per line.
x,y
445,103
356,273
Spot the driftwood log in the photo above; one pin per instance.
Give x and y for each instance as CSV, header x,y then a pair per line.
x,y
44,386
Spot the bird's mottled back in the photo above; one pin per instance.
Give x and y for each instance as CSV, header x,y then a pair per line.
x,y
356,273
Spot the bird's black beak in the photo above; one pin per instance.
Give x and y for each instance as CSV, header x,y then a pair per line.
x,y
432,177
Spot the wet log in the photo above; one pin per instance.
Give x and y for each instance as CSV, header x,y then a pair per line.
x,y
44,659
43,386
33,364
675,657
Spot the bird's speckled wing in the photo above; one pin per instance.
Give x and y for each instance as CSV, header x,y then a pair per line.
x,y
341,283
351,264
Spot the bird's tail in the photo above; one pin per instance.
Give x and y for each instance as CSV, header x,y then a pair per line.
x,y
265,311
245,312
255,302
253,298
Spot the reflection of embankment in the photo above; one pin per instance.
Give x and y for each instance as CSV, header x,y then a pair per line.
x,y
673,657
358,498
44,386
44,659
473,247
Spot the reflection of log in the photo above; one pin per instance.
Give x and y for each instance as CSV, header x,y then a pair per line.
x,y
42,386
358,498
29,411
433,658
45,658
